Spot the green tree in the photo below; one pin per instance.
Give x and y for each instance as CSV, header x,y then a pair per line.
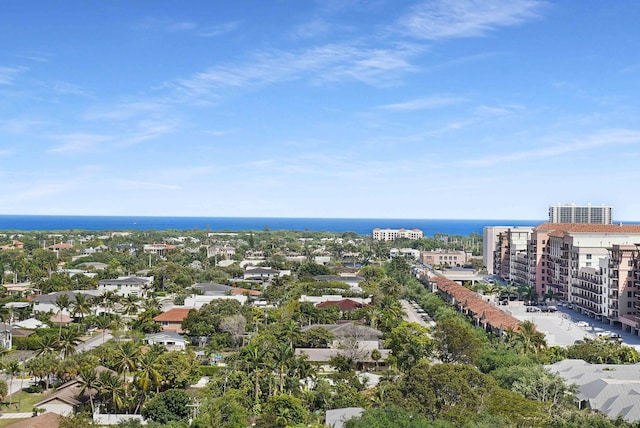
x,y
409,343
62,302
171,405
389,416
282,410
69,339
89,380
178,369
455,341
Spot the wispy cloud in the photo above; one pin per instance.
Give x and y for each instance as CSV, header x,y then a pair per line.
x,y
78,142
19,126
66,88
334,62
147,130
181,26
601,139
442,19
8,74
219,30
315,28
127,110
427,103
144,185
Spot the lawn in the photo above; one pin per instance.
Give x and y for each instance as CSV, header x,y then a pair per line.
x,y
28,400
7,422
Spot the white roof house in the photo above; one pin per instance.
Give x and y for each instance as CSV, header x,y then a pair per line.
x,y
126,285
169,339
612,389
336,418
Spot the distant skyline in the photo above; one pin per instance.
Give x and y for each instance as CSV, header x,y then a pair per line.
x,y
456,109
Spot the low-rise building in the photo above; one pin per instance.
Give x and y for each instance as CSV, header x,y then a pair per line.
x,y
171,320
391,234
169,339
126,286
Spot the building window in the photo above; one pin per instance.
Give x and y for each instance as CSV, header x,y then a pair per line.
x,y
588,256
629,293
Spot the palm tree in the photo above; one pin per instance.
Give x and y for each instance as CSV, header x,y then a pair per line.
x,y
81,306
112,390
254,359
68,342
531,339
13,368
62,302
152,305
110,299
128,355
291,330
90,382
47,345
282,357
103,322
131,305
147,375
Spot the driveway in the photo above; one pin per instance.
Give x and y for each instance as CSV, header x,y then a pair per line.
x,y
561,328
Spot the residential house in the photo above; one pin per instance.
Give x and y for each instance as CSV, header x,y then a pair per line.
x,y
261,273
46,302
612,389
14,245
158,249
171,320
126,286
169,339
67,399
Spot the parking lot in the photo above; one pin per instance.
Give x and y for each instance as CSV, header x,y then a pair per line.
x,y
565,326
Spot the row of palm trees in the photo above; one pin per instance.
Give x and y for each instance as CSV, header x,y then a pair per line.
x,y
83,305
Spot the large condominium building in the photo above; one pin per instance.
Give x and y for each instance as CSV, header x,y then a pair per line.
x,y
571,213
490,238
391,234
596,267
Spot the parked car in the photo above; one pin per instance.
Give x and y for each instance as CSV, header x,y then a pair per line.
x,y
582,324
533,309
549,309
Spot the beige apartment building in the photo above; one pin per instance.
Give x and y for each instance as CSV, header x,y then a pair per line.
x,y
391,234
595,267
441,257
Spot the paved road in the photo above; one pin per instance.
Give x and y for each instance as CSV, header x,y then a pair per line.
x,y
94,342
411,315
16,415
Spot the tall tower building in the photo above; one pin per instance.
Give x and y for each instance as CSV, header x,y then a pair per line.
x,y
490,240
571,213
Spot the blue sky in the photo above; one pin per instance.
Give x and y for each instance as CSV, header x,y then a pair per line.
x,y
328,108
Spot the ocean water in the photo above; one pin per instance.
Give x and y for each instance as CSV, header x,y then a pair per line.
x,y
361,226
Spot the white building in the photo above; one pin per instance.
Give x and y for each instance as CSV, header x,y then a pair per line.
x,y
391,234
571,213
126,286
169,339
489,242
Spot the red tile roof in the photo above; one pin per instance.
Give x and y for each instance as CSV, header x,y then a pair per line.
x,y
245,291
173,315
588,228
476,306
